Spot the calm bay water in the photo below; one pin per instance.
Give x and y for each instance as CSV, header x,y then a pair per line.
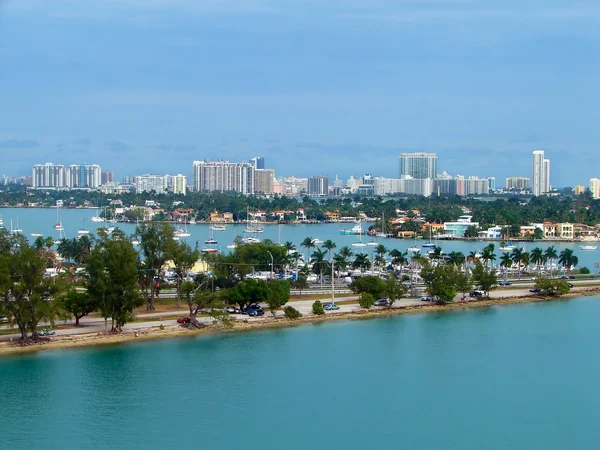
x,y
522,377
43,220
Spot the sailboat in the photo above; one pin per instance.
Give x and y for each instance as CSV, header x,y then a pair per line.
x,y
97,217
58,226
429,244
217,227
382,233
360,243
83,231
15,230
211,242
252,226
182,232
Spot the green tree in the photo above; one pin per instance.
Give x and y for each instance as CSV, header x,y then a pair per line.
x,y
484,278
488,254
78,303
471,232
366,300
537,258
26,294
247,292
307,243
329,245
567,259
155,241
552,287
393,290
184,258
317,308
112,279
371,284
464,283
319,264
291,313
278,294
517,258
361,261
300,283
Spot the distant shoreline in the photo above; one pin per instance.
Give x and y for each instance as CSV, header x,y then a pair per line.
x,y
267,322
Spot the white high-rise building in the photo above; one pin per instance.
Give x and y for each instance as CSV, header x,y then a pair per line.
x,y
179,184
418,165
547,186
48,175
149,183
540,168
223,176
595,187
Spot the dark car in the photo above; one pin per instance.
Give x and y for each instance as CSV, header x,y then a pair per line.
x,y
381,302
255,310
535,290
570,285
566,277
476,294
233,310
183,320
504,283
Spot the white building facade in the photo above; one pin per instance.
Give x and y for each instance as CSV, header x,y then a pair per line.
x,y
223,176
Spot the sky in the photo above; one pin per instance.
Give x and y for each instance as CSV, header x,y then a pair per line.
x,y
317,87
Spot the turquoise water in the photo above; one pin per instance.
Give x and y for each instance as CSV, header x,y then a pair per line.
x,y
43,220
518,377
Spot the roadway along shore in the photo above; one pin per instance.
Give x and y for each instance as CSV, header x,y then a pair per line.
x,y
92,329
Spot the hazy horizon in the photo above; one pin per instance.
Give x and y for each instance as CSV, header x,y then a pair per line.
x,y
317,88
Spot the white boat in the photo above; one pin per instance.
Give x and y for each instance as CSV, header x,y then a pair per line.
x,y
15,230
254,229
251,240
97,219
372,244
218,227
359,244
35,235
507,248
317,241
182,233
1,223
355,230
232,246
429,245
83,232
588,247
135,242
413,249
192,221
209,250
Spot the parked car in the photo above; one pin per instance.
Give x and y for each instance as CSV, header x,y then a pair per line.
x,y
47,332
566,277
427,298
233,310
330,307
183,320
570,285
504,283
477,293
381,302
535,290
3,319
255,310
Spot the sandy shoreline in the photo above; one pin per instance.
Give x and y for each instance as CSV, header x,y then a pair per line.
x,y
176,331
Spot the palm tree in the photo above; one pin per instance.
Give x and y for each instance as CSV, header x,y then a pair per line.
x,y
456,258
436,253
399,258
339,262
319,262
329,245
289,246
567,259
307,243
487,254
361,261
506,262
381,251
526,260
472,257
346,252
39,243
551,254
517,258
537,257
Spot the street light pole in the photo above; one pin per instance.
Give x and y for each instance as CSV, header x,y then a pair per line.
x,y
332,285
271,255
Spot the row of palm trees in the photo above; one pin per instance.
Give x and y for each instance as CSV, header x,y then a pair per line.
x,y
518,257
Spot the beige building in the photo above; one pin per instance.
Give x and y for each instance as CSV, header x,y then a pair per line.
x,y
559,230
264,181
179,184
579,189
595,187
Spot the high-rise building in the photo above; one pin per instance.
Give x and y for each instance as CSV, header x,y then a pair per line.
x,y
517,183
84,176
108,176
541,169
318,186
492,183
149,183
264,180
411,186
48,175
579,189
418,165
547,186
179,184
223,176
595,187
258,162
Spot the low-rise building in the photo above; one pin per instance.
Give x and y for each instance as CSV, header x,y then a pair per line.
x,y
217,217
494,232
458,228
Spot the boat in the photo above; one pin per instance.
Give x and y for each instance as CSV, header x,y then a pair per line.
x,y
36,235
182,232
588,247
209,250
192,221
97,219
58,226
372,244
218,227
355,230
135,242
429,244
413,249
250,240
15,230
83,232
317,241
211,241
1,223
253,226
507,248
232,246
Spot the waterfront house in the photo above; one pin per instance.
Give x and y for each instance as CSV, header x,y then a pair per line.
x,y
457,229
494,232
332,216
216,217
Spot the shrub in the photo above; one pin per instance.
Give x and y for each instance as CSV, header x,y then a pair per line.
x,y
291,312
584,271
366,300
317,308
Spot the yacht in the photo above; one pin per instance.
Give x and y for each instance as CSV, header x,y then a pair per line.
x,y
218,227
429,245
413,249
588,247
317,241
83,232
251,240
355,230
232,246
210,250
97,219
182,232
36,235
15,230
1,223
507,248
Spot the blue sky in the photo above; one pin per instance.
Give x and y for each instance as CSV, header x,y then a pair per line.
x,y
317,87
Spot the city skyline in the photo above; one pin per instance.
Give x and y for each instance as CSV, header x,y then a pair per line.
x,y
340,85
